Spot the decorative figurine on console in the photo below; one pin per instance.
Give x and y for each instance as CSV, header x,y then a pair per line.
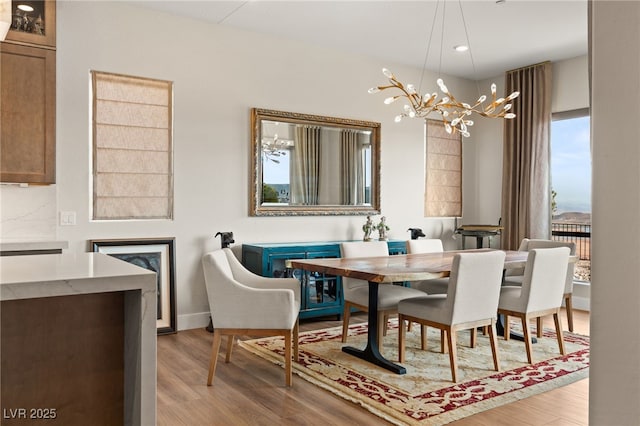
x,y
367,228
382,229
416,233
226,239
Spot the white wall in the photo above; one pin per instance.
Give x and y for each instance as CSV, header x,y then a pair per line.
x,y
570,84
219,74
614,387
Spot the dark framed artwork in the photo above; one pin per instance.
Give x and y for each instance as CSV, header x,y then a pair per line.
x,y
154,254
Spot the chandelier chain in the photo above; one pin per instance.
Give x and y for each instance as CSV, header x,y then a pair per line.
x,y
454,114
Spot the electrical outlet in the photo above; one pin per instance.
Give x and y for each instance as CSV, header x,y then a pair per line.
x,y
67,218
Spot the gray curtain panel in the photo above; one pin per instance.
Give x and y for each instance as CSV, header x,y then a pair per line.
x,y
352,167
526,210
304,168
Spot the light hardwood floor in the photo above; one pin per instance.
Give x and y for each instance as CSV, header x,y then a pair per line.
x,y
251,391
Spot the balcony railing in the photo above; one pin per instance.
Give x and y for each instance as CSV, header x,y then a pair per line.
x,y
579,233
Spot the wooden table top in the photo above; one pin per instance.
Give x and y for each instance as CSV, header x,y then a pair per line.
x,y
402,267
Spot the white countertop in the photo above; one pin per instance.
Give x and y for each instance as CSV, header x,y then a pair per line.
x,y
48,275
25,277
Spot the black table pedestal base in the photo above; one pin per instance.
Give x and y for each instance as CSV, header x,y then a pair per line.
x,y
371,353
374,357
512,335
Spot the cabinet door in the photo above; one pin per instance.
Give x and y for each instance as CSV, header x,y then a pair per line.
x,y
277,265
43,31
397,247
27,114
321,290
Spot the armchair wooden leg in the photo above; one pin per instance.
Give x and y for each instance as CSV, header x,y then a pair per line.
x,y
569,306
230,341
493,338
346,316
215,347
443,342
288,370
527,337
401,337
453,354
473,337
385,326
423,337
556,320
507,328
539,326
296,339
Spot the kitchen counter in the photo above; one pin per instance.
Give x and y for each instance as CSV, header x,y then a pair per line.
x,y
15,248
78,339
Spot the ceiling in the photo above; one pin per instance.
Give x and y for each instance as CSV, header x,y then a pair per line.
x,y
502,36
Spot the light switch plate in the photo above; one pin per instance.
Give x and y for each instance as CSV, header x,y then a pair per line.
x,y
67,218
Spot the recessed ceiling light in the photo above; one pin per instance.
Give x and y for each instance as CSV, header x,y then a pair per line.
x,y
501,1
25,8
461,48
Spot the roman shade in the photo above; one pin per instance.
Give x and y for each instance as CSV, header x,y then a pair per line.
x,y
132,147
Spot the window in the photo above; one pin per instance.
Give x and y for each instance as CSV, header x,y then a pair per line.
x,y
443,177
571,184
132,147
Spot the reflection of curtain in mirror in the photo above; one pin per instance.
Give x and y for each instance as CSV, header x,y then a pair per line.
x,y
304,168
352,167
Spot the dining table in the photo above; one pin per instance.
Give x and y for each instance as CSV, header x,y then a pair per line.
x,y
387,270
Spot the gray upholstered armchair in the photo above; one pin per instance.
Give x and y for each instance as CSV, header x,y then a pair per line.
x,y
514,278
243,303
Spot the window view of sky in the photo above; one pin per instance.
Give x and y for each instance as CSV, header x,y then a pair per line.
x,y
571,164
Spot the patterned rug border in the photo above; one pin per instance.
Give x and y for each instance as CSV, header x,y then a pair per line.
x,y
395,416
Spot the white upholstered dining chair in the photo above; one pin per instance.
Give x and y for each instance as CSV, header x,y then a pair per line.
x,y
243,303
428,245
471,302
356,292
539,295
516,279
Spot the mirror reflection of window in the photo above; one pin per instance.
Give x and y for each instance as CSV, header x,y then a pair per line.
x,y
306,162
277,142
311,165
354,145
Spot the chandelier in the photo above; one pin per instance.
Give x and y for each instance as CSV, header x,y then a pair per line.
x,y
273,148
454,113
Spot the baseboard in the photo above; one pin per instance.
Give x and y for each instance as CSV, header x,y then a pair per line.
x,y
191,321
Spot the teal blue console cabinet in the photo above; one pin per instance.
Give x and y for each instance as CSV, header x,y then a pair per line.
x,y
321,293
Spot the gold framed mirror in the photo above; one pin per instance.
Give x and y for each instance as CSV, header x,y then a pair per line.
x,y
305,165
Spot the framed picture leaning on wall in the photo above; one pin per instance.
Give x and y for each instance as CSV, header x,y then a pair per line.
x,y
154,254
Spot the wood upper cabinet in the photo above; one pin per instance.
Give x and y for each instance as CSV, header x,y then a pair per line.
x,y
27,114
37,27
28,95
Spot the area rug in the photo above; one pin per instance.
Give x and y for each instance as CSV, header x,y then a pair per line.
x,y
425,395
